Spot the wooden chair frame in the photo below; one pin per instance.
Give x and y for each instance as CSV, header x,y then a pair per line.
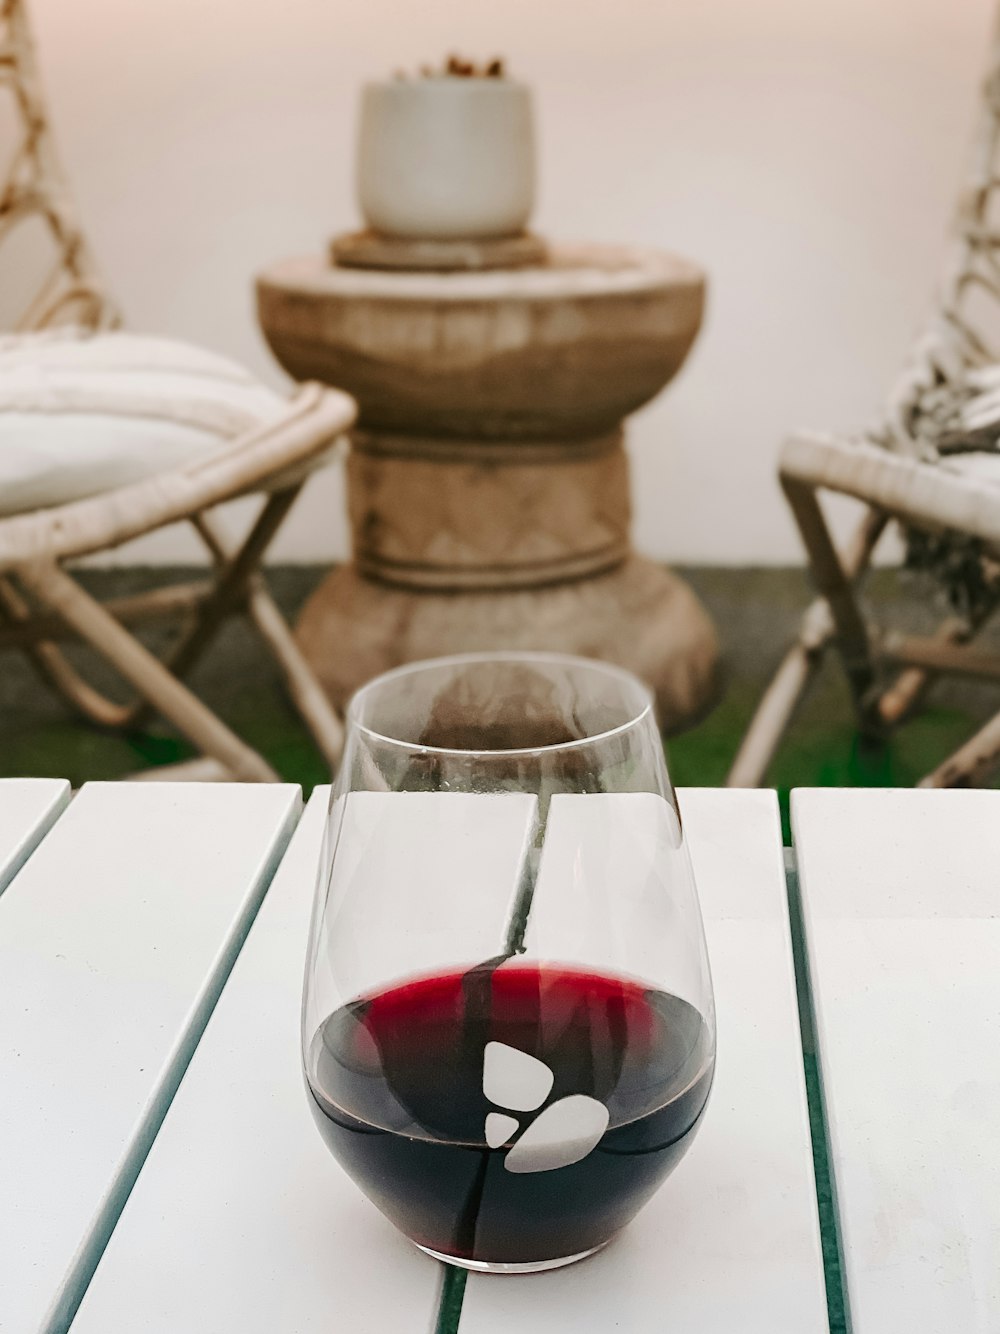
x,y
896,471
888,672
40,601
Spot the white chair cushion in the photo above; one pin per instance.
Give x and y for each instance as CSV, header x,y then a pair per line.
x,y
83,413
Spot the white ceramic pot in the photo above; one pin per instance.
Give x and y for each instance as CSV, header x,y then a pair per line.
x,y
446,158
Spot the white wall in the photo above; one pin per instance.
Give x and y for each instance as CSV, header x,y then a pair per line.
x,y
805,151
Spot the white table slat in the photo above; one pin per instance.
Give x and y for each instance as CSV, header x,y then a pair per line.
x,y
114,940
731,1241
241,1219
901,899
28,809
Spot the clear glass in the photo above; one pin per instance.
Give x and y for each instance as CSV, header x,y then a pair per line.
x,y
508,1030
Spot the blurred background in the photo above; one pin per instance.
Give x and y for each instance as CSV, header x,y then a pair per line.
x,y
807,155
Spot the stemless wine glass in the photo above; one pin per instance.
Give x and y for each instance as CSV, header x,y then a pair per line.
x,y
508,1029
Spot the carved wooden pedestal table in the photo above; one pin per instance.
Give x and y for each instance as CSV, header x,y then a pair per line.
x,y
488,483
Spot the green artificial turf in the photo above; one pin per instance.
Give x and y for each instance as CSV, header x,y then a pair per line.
x,y
755,610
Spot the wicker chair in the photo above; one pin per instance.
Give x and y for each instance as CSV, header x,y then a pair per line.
x,y
40,601
932,467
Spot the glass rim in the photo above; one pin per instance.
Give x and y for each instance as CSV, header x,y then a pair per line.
x,y
354,724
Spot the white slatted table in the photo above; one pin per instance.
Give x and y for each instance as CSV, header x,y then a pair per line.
x,y
901,899
240,1219
115,938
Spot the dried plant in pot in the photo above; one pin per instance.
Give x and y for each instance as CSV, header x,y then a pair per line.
x,y
448,154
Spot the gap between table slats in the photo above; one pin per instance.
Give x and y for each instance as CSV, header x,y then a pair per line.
x,y
29,807
826,1194
89,1258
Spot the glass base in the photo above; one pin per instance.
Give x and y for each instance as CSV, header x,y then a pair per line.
x,y
491,1267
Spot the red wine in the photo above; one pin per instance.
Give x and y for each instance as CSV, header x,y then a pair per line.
x,y
511,1113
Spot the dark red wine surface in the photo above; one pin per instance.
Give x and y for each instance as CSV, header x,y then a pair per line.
x,y
397,1088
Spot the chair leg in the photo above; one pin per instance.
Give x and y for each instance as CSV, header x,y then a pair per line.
x,y
901,696
973,764
782,697
156,604
53,587
835,584
235,568
308,695
53,666
775,711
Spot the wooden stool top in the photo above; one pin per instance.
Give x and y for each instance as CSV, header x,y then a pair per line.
x,y
570,272
562,350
